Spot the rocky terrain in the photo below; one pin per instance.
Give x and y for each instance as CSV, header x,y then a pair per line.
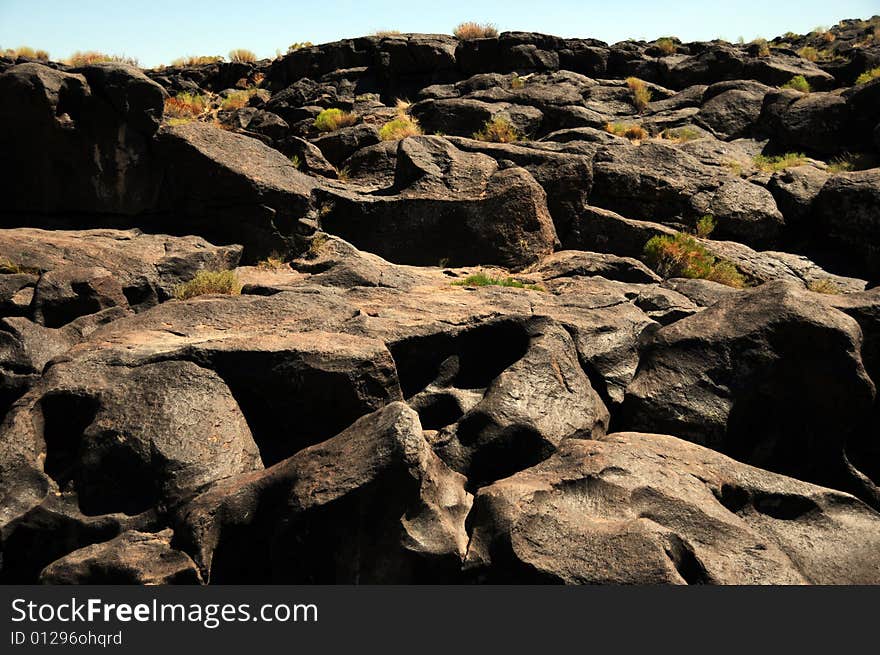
x,y
522,309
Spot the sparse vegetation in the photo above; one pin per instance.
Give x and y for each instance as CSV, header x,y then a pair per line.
x,y
680,134
343,174
400,128
185,107
631,131
385,33
517,82
293,47
237,99
809,53
274,262
666,45
333,119
705,226
772,164
242,56
682,255
762,49
93,57
483,280
205,282
196,60
640,92
823,285
25,52
798,83
470,30
296,161
498,130
9,267
868,75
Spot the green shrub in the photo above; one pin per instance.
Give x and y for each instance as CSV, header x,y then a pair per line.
x,y
809,53
682,255
400,128
205,282
798,83
640,92
242,56
483,280
330,120
666,45
498,130
779,162
680,134
869,75
705,226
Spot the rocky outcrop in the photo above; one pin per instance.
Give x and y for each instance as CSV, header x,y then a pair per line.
x,y
636,508
409,360
446,206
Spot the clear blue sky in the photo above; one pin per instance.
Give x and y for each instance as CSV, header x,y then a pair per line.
x,y
158,31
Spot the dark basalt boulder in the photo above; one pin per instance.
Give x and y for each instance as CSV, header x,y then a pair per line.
x,y
133,557
465,116
633,508
148,267
69,292
848,211
230,188
660,183
745,377
815,122
186,431
83,139
373,504
446,205
733,113
55,527
339,145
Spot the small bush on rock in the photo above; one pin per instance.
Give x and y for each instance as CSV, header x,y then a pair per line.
x,y
640,92
196,60
631,131
400,128
93,57
471,30
683,256
330,120
824,285
237,99
779,162
185,106
26,52
680,134
242,56
868,75
483,280
666,45
762,48
809,53
705,226
205,282
498,130
798,83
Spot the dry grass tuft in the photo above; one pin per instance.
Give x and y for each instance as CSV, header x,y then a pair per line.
x,y
196,60
333,119
185,107
209,282
242,56
631,131
779,162
640,91
471,30
498,130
